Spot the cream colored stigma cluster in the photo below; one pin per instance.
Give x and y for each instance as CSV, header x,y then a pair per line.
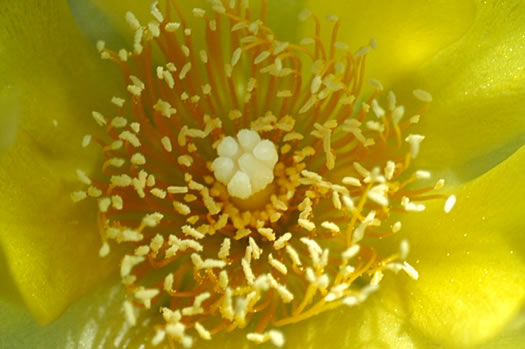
x,y
245,165
330,170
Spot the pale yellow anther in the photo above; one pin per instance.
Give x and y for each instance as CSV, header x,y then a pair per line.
x,y
277,265
135,127
104,250
119,122
306,224
415,119
123,55
245,164
94,192
86,141
185,49
128,263
164,108
166,75
132,20
224,251
206,89
172,27
449,204
414,141
83,177
137,41
78,196
331,226
131,138
116,145
99,118
281,242
261,57
154,29
267,233
252,83
161,194
213,25
181,208
166,144
129,312
396,227
423,95
248,272
284,93
439,184
145,295
376,84
185,70
104,204
352,181
138,159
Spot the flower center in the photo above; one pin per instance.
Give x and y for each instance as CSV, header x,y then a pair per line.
x,y
245,165
269,227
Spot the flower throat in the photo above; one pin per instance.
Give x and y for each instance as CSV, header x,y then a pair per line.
x,y
247,178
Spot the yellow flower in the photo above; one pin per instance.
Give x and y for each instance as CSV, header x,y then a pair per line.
x,y
470,261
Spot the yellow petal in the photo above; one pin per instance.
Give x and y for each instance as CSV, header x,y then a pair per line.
x,y
470,261
478,85
408,32
50,79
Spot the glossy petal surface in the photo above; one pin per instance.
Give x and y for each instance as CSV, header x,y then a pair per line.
x,y
50,79
471,261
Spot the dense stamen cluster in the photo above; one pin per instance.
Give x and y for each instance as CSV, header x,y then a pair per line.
x,y
271,249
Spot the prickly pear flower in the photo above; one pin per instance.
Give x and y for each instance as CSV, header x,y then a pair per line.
x,y
250,189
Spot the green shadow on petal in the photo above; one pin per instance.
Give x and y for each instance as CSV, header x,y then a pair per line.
x,y
95,24
482,164
55,79
8,291
471,261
